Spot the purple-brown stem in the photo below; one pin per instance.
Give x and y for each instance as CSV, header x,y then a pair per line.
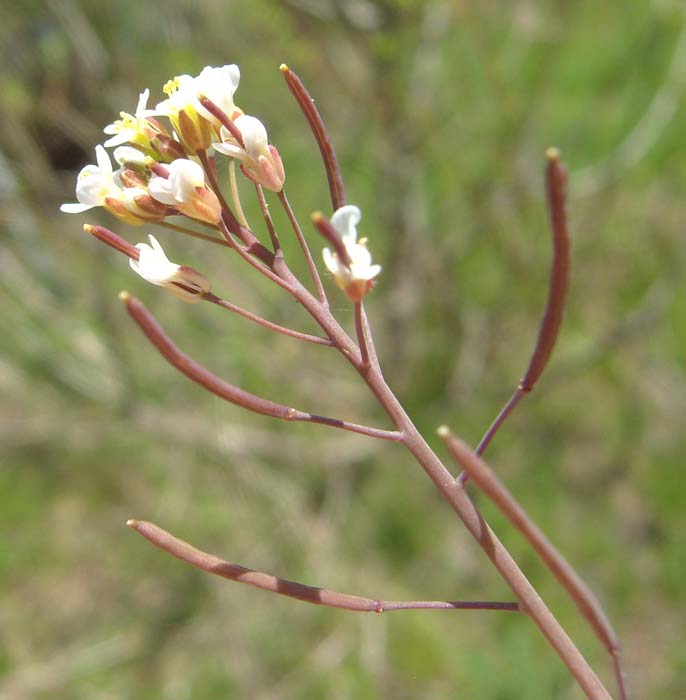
x,y
556,183
266,324
456,495
407,433
314,119
302,242
113,240
223,117
308,594
245,254
454,492
230,221
229,392
361,335
518,395
327,229
195,234
487,481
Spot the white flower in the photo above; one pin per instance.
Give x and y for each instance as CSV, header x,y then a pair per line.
x,y
94,184
261,161
180,187
154,266
217,84
185,189
355,279
130,128
98,186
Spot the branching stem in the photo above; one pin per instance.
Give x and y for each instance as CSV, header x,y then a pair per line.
x,y
266,324
488,482
229,392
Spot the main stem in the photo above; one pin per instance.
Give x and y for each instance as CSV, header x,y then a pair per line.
x,y
454,493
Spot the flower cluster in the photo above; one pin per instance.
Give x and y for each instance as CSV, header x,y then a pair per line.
x,y
136,192
170,170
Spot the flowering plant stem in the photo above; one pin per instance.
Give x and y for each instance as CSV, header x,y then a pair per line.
x,y
179,188
449,486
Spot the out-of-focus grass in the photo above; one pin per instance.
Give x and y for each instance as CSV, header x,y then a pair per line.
x,y
440,114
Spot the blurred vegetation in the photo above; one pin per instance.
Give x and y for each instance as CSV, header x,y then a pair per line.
x,y
440,112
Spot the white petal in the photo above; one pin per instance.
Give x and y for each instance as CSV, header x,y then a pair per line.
x,y
120,138
76,208
157,247
359,255
104,162
153,265
92,185
160,189
184,176
142,103
367,272
345,221
230,149
331,261
128,154
254,134
219,85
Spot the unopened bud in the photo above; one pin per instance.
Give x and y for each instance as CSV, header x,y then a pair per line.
x,y
168,148
204,206
131,178
195,132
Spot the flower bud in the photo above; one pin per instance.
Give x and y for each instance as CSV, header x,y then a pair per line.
x,y
195,131
260,161
184,189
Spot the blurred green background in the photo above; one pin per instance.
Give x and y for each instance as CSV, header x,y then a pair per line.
x,y
441,112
